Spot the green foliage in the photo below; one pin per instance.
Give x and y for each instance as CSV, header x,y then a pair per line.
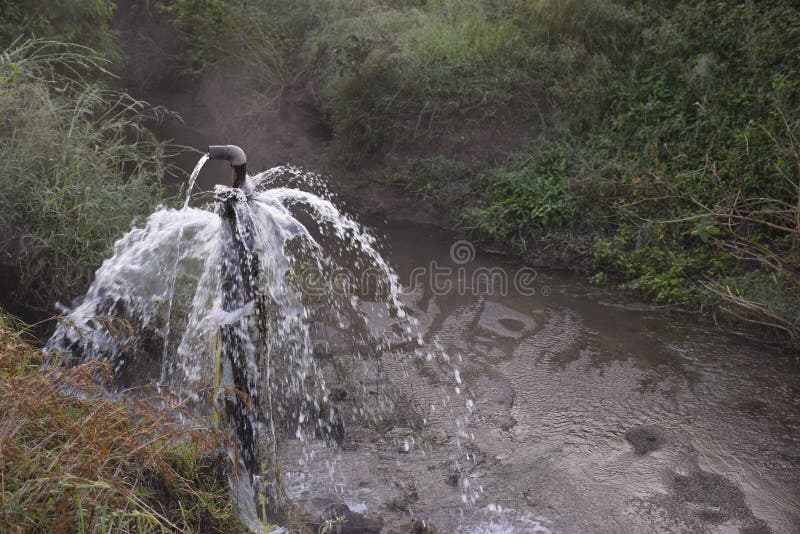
x,y
528,197
704,124
415,74
83,22
666,130
240,38
427,70
651,270
76,169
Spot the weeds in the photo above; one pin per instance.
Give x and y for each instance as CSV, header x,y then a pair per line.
x,y
89,463
525,198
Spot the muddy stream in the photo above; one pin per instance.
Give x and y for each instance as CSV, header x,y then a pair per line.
x,y
585,412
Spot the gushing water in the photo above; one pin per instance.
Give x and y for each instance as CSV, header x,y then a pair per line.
x,y
234,307
193,178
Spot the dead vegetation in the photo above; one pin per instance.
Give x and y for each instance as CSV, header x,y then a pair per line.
x,y
86,462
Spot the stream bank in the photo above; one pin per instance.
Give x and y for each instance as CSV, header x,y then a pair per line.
x,y
591,385
589,412
548,128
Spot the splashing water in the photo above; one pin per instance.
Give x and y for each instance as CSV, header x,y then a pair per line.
x,y
239,306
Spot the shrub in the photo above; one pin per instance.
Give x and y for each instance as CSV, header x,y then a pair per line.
x,y
83,22
245,41
526,197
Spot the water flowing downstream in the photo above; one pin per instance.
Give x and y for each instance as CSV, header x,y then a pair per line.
x,y
433,385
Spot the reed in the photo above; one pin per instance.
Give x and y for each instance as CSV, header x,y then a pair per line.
x,y
77,167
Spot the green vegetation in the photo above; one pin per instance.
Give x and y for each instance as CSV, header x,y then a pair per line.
x,y
653,144
77,168
235,35
528,197
82,22
664,133
93,464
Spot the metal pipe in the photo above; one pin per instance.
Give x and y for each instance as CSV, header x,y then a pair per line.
x,y
237,159
239,272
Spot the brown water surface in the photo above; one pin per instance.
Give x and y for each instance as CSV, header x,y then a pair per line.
x,y
590,413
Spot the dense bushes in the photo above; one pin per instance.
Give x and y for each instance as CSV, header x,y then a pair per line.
x,y
702,128
76,168
673,144
83,22
241,39
529,197
399,79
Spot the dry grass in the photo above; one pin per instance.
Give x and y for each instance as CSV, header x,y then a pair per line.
x,y
88,463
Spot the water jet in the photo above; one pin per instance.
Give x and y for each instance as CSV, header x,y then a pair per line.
x,y
222,306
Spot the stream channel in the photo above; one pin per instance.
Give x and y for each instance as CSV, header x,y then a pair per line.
x,y
572,409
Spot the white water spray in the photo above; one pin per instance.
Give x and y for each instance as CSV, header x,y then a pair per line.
x,y
248,294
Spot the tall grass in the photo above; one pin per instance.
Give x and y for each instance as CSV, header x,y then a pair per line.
x,y
76,168
398,78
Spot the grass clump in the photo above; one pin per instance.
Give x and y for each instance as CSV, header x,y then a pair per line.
x,y
76,168
88,463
